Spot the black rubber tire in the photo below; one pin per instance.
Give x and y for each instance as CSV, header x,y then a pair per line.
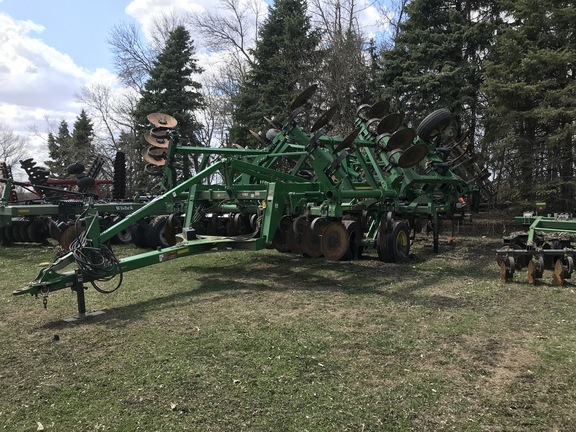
x,y
434,124
75,168
138,233
400,242
8,234
124,236
53,230
155,233
231,230
172,227
279,241
15,231
214,224
354,251
394,246
86,182
105,223
24,232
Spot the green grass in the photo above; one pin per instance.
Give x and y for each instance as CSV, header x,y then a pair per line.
x,y
262,341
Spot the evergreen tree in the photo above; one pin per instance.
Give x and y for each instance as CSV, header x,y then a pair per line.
x,y
81,149
171,90
65,148
436,61
286,62
531,87
57,150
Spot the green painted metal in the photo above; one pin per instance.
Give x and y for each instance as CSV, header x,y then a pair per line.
x,y
545,244
266,197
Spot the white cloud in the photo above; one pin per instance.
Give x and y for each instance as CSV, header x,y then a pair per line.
x,y
370,19
38,83
33,74
145,11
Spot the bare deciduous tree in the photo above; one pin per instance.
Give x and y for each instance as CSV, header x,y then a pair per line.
x,y
233,29
163,25
109,108
111,111
229,33
335,17
393,13
345,63
12,146
132,55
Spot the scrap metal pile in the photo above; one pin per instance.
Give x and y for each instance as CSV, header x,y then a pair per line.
x,y
303,191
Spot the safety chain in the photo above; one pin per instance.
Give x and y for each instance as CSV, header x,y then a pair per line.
x,y
44,291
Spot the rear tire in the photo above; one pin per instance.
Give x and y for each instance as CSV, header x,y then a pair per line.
x,y
4,240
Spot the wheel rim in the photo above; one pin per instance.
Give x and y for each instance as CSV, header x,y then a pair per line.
x,y
124,236
402,244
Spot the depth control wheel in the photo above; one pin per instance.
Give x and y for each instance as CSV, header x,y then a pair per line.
x,y
507,267
394,244
563,269
311,237
355,249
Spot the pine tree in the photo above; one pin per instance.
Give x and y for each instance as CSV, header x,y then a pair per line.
x,y
436,61
81,149
531,86
171,90
66,148
57,150
286,62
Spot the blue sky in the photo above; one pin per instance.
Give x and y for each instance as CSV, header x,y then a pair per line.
x,y
78,28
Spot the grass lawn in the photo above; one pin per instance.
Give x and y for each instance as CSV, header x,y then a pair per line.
x,y
263,341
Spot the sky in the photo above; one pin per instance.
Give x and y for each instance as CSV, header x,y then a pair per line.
x,y
50,49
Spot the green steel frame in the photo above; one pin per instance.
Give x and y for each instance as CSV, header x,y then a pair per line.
x,y
544,244
368,188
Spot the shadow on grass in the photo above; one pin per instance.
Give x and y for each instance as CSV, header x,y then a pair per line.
x,y
235,278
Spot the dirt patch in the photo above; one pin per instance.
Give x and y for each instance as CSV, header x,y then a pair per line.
x,y
504,361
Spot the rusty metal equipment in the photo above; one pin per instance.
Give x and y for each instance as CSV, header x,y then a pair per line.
x,y
302,192
546,243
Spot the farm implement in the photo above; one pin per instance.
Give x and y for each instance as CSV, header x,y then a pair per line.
x,y
52,206
545,244
302,192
